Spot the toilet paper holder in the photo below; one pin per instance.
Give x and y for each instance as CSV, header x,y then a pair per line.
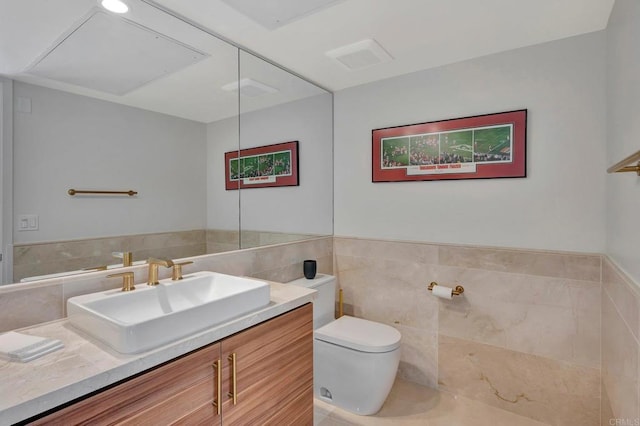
x,y
457,290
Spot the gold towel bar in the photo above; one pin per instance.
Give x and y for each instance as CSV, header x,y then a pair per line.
x,y
130,192
622,166
457,291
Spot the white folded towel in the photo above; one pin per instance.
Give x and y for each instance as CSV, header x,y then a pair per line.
x,y
22,347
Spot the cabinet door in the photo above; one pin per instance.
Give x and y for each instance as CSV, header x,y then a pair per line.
x,y
273,372
179,392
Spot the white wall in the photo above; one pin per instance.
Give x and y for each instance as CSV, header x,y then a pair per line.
x,y
561,203
223,208
623,130
70,141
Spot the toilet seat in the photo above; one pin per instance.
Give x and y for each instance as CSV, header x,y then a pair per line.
x,y
359,334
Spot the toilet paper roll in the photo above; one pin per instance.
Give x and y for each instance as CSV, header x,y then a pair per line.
x,y
442,292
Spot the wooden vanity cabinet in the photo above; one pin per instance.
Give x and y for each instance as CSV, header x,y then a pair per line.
x,y
273,383
274,372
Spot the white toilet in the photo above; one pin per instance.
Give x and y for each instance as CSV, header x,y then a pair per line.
x,y
354,360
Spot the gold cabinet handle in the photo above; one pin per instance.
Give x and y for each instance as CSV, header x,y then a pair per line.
x,y
234,384
217,402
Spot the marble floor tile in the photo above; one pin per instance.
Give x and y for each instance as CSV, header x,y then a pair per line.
x,y
410,404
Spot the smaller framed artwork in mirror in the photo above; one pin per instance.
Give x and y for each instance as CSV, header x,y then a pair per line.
x,y
478,147
262,167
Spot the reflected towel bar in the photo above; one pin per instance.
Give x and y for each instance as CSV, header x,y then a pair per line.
x,y
130,192
623,166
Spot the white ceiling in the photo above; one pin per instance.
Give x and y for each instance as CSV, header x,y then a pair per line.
x,y
419,34
42,42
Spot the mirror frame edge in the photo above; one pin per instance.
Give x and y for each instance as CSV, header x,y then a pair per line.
x,y
6,148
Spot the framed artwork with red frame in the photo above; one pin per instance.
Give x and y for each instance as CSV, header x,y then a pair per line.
x,y
262,167
478,147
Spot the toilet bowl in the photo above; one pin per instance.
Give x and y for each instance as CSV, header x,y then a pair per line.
x,y
354,360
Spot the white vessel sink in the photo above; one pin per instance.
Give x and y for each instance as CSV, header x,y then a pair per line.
x,y
139,320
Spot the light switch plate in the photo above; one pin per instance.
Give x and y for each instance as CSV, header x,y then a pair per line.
x,y
28,222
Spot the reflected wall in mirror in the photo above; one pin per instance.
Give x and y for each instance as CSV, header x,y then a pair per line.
x,y
143,101
280,214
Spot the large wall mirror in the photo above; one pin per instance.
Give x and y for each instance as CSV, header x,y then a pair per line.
x,y
147,102
281,214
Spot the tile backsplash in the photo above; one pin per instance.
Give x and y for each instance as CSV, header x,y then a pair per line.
x,y
53,257
38,259
22,305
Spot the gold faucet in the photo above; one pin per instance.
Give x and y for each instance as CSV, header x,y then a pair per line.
x,y
126,256
153,269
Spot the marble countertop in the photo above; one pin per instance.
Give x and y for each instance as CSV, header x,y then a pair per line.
x,y
85,364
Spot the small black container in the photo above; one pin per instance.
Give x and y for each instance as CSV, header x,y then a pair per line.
x,y
310,267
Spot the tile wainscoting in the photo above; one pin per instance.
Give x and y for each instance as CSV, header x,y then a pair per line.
x,y
524,337
219,240
620,348
36,259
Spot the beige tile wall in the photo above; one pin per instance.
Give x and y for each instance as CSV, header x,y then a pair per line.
x,y
528,310
219,240
620,348
60,256
544,389
31,305
22,305
48,258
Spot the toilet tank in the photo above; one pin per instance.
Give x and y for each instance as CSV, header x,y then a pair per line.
x,y
325,303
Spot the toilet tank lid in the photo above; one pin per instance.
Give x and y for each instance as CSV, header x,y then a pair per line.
x,y
319,279
359,334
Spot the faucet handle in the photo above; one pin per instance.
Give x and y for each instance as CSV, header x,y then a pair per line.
x,y
177,270
96,268
127,280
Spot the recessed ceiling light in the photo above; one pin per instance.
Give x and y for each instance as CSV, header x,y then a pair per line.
x,y
115,6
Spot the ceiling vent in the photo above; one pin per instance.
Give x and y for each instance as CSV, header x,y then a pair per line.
x,y
273,14
360,55
113,55
249,88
